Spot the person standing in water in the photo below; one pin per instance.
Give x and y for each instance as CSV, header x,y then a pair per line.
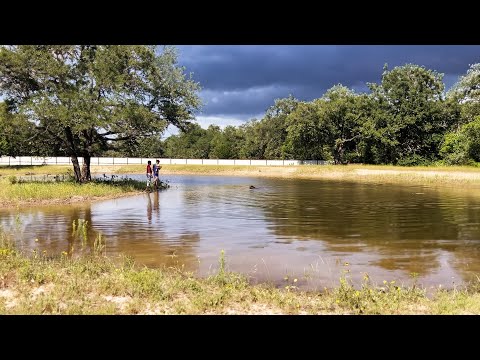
x,y
156,169
149,175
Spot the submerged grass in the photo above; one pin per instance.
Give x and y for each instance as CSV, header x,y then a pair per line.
x,y
95,284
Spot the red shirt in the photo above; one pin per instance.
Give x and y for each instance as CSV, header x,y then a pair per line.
x,y
149,169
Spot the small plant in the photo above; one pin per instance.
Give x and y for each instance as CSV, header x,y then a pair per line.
x,y
221,263
98,245
221,276
80,233
12,179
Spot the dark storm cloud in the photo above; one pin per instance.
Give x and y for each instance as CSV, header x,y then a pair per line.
x,y
245,80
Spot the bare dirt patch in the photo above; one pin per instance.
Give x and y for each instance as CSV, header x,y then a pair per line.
x,y
10,297
42,289
120,301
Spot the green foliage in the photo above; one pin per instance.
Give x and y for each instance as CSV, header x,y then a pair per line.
x,y
462,147
275,126
19,138
191,143
466,93
253,146
410,115
414,160
307,133
454,149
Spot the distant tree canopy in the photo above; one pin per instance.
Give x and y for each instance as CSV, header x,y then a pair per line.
x,y
466,92
87,97
405,119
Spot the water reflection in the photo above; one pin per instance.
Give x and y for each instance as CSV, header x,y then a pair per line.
x,y
282,228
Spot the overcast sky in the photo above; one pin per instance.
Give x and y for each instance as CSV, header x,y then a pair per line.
x,y
240,82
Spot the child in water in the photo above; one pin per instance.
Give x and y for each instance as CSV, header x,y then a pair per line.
x,y
156,169
149,175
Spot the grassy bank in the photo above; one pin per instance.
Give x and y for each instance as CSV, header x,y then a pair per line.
x,y
93,284
13,193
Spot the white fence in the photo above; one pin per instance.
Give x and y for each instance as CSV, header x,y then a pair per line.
x,y
29,160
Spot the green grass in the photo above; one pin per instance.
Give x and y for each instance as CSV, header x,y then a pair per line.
x,y
22,170
93,284
13,192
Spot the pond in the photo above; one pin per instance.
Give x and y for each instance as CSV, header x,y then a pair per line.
x,y
313,231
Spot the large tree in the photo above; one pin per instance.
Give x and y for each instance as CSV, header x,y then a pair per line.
x,y
274,126
308,134
466,92
87,96
412,115
341,113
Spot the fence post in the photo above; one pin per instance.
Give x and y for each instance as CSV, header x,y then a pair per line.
x,y
127,160
9,161
31,160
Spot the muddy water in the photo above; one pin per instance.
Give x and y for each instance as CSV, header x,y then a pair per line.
x,y
310,230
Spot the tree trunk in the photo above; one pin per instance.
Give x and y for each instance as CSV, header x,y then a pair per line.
x,y
73,154
86,176
338,154
76,168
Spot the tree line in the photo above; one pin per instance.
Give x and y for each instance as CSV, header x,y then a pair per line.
x,y
406,119
84,101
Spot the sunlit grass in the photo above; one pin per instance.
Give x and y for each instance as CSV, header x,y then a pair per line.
x,y
42,283
10,193
22,170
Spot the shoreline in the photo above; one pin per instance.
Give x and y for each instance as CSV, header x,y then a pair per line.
x,y
455,178
39,283
10,204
